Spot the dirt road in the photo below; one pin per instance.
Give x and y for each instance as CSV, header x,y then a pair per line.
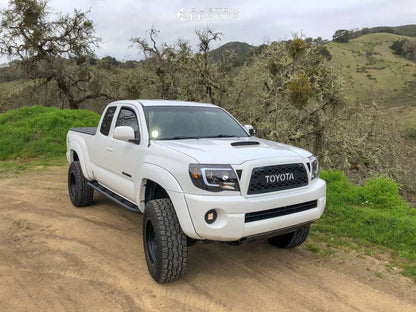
x,y
54,257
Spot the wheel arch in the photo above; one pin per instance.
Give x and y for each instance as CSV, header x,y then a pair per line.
x,y
76,154
73,156
162,181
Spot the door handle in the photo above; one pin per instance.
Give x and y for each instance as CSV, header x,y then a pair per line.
x,y
109,149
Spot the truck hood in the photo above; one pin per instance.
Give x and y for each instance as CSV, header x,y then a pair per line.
x,y
220,151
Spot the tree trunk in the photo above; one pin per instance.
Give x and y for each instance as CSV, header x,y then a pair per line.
x,y
319,134
65,89
73,105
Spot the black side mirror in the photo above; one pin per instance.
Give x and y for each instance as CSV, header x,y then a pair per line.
x,y
250,129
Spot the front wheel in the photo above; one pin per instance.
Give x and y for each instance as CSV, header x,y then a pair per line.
x,y
292,239
165,244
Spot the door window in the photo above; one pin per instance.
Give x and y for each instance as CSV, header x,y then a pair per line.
x,y
108,118
127,117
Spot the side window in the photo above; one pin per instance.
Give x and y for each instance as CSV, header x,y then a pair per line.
x,y
127,117
108,118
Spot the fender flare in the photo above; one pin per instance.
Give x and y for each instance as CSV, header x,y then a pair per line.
x,y
166,180
83,159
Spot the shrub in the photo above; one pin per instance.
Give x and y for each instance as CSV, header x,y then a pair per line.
x,y
300,90
340,189
378,192
381,192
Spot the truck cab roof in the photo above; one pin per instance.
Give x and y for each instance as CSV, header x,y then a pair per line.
x,y
163,103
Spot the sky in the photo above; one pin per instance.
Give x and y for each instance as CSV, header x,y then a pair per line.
x,y
254,22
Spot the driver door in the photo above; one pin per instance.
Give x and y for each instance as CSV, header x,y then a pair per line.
x,y
125,155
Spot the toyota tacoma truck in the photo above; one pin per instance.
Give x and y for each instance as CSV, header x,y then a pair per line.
x,y
196,174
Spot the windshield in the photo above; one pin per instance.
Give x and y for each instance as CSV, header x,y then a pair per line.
x,y
187,122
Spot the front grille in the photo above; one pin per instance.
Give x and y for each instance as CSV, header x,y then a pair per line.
x,y
278,212
277,178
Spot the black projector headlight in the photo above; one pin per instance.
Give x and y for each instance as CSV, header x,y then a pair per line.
x,y
214,178
314,167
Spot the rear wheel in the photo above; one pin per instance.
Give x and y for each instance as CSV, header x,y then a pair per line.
x,y
80,193
165,244
292,239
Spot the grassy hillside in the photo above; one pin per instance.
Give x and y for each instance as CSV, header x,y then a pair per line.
x,y
373,215
371,67
374,72
404,30
39,131
241,50
10,88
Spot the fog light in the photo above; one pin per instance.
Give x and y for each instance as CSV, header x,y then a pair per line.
x,y
211,216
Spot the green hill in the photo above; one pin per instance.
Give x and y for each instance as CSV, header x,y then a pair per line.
x,y
39,131
371,66
373,72
241,50
404,30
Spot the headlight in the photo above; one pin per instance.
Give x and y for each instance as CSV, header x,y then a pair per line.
x,y
214,178
314,167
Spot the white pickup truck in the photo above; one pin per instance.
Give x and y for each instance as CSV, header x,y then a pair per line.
x,y
196,174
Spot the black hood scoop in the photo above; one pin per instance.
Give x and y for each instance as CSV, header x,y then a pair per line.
x,y
244,143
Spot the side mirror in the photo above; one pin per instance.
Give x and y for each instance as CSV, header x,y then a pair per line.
x,y
124,133
249,128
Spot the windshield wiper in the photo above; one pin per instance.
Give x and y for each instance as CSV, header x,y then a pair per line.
x,y
223,136
181,138
203,137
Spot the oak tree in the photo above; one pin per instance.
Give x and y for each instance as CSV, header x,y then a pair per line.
x,y
51,47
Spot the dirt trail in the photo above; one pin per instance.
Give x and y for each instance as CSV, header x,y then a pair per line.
x,y
54,257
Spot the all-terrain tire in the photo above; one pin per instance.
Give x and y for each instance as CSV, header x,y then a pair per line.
x,y
165,244
80,193
292,239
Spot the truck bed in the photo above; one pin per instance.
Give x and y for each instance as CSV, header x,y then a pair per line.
x,y
86,130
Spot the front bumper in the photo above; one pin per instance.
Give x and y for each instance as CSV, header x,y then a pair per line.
x,y
230,224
